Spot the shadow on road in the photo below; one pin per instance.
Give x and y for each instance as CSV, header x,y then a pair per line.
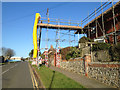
x,y
52,79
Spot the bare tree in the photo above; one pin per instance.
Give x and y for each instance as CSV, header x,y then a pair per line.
x,y
7,52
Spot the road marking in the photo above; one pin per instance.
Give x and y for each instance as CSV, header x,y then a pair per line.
x,y
8,69
31,76
2,65
34,81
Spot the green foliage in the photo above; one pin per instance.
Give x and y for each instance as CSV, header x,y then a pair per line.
x,y
31,53
101,46
73,53
30,62
42,56
85,39
114,51
64,52
68,57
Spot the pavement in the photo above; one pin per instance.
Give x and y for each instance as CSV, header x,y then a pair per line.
x,y
16,75
83,80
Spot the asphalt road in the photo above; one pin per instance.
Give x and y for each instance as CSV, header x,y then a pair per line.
x,y
16,75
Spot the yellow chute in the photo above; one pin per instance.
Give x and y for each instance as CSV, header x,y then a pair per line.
x,y
37,17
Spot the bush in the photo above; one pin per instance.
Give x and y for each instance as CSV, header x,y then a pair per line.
x,y
68,57
115,52
64,52
101,46
73,53
85,39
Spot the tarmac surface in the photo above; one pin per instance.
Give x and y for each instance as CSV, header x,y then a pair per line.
x,y
16,75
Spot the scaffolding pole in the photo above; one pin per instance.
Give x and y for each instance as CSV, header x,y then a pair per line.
x,y
69,33
58,35
88,26
40,37
96,24
46,56
115,40
38,50
103,20
74,37
56,47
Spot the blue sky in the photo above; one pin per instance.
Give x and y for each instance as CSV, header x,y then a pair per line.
x,y
18,20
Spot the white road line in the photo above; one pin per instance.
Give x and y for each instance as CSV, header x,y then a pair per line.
x,y
8,69
2,65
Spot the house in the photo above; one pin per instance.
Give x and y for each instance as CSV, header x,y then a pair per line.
x,y
104,26
16,58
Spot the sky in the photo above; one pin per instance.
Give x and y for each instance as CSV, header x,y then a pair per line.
x,y
18,20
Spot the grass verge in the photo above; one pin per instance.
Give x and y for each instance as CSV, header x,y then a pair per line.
x,y
30,62
54,79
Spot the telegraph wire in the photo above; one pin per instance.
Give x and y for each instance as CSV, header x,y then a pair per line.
x,y
22,17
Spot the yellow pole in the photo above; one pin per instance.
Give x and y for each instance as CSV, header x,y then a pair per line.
x,y
37,17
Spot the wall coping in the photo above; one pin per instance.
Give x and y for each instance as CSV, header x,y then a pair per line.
x,y
104,65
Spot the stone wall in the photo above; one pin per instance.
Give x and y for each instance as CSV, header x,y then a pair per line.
x,y
101,56
108,73
82,45
85,51
76,66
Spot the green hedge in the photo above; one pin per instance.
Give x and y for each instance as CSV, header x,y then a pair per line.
x,y
101,46
73,53
85,39
114,52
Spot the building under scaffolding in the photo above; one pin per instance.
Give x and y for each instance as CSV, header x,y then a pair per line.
x,y
105,26
57,25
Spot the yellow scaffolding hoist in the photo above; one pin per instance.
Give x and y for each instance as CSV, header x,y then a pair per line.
x,y
37,18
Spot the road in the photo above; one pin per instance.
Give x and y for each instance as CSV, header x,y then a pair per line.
x,y
16,75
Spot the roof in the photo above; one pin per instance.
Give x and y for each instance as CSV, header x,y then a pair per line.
x,y
16,57
107,11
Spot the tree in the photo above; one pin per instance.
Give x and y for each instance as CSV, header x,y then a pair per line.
x,y
7,52
31,53
73,53
85,39
64,52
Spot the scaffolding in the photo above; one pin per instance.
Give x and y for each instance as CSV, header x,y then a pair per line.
x,y
99,22
57,25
